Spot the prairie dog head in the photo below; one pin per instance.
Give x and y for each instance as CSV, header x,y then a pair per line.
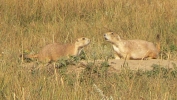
x,y
81,42
112,37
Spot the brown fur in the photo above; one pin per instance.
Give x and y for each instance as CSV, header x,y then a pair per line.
x,y
132,49
53,52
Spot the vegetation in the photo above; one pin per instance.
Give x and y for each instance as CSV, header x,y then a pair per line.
x,y
28,25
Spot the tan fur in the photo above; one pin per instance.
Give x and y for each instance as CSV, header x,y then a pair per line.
x,y
53,52
132,49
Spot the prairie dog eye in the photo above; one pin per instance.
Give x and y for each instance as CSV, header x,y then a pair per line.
x,y
112,33
83,38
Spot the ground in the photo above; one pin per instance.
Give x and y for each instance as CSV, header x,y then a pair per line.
x,y
141,64
114,65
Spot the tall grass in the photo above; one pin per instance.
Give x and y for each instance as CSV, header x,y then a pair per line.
x,y
35,23
31,24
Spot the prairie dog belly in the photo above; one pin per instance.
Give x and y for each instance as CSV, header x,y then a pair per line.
x,y
139,54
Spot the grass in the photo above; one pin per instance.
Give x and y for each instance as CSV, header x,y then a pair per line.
x,y
28,25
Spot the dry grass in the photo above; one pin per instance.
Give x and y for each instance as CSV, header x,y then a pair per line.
x,y
27,25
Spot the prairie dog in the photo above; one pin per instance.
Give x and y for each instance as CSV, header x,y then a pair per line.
x,y
54,51
132,49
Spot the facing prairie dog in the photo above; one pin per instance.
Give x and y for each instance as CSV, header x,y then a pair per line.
x,y
132,49
54,51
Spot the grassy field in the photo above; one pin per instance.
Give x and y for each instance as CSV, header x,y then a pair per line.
x,y
28,25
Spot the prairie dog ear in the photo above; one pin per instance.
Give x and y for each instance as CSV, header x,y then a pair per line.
x,y
77,40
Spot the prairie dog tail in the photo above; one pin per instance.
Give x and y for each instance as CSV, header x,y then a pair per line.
x,y
158,42
29,56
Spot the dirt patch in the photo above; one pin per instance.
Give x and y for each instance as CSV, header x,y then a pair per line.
x,y
141,64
